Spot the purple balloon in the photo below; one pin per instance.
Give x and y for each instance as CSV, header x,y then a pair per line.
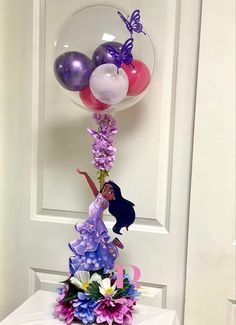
x,y
101,54
73,70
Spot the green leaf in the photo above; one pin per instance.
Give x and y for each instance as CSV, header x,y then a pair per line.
x,y
126,286
69,297
93,290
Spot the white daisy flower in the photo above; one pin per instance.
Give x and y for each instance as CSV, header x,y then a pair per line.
x,y
82,279
106,289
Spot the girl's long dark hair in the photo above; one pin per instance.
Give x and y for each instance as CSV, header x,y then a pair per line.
x,y
121,209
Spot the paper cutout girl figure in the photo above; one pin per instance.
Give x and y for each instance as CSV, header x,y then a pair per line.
x,y
93,250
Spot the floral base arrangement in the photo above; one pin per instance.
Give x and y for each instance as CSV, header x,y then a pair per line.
x,y
91,294
93,297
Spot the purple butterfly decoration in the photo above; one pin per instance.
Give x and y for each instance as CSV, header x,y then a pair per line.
x,y
124,55
133,25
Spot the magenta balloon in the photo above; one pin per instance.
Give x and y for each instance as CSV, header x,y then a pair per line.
x,y
73,70
101,54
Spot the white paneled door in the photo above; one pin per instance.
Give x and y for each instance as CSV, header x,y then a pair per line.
x,y
153,152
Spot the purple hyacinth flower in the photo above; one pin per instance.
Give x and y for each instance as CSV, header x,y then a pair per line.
x,y
103,145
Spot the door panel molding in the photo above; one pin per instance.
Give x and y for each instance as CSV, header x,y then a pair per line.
x,y
160,221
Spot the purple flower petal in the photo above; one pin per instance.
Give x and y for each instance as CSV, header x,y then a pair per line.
x,y
103,146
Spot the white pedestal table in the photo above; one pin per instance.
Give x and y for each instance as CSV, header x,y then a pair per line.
x,y
38,309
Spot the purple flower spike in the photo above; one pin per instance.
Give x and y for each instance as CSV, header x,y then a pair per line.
x,y
103,146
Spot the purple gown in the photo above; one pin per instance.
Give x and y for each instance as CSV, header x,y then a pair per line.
x,y
92,250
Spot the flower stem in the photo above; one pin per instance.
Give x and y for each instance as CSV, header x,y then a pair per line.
x,y
102,175
101,178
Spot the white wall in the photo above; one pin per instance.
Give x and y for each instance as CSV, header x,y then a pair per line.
x,y
211,257
13,168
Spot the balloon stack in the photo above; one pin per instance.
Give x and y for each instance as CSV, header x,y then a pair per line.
x,y
107,65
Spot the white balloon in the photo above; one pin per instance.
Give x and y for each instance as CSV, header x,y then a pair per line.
x,y
108,85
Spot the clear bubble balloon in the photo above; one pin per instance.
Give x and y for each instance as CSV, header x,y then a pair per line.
x,y
88,31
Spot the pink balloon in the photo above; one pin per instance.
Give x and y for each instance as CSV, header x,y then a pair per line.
x,y
138,76
90,101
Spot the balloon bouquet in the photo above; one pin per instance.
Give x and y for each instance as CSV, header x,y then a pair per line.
x,y
102,78
109,58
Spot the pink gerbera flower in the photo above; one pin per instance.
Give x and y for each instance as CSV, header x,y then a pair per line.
x,y
118,311
64,310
